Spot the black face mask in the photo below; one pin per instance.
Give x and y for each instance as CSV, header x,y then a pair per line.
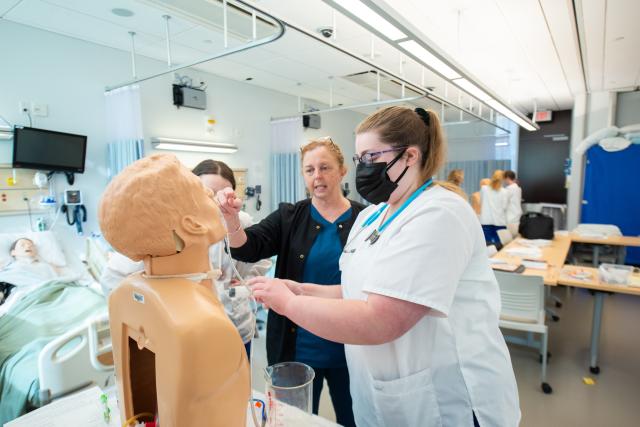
x,y
373,183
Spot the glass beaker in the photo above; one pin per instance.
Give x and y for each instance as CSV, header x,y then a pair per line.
x,y
288,383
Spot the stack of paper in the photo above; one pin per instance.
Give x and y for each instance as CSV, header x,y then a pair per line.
x,y
536,265
525,252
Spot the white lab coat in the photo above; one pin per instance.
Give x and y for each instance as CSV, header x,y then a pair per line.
x,y
454,361
514,203
493,206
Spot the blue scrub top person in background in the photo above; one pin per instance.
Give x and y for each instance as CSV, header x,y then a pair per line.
x,y
308,237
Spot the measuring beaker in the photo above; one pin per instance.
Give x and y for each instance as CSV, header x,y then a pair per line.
x,y
289,383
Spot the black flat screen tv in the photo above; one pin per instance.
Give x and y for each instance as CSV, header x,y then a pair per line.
x,y
48,150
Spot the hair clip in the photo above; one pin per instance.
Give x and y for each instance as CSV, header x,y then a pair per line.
x,y
424,115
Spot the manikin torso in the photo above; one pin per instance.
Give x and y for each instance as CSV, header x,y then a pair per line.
x,y
176,352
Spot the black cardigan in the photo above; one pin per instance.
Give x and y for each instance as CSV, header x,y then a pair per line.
x,y
289,233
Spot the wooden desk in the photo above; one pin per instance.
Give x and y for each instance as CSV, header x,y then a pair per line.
x,y
555,256
620,241
600,288
610,240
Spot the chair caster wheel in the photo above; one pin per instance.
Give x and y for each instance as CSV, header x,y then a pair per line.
x,y
555,318
558,304
546,388
594,369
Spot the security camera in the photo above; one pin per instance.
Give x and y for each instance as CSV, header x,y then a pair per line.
x,y
326,31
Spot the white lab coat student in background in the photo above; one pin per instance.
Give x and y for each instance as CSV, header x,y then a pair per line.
x,y
418,306
493,208
215,175
514,202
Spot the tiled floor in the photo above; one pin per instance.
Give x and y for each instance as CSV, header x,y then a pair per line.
x,y
614,400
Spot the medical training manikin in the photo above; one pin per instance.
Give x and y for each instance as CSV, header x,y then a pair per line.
x,y
176,353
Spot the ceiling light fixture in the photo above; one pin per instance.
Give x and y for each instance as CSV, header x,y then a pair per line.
x,y
471,89
510,114
379,15
179,144
121,12
6,132
502,144
429,59
366,14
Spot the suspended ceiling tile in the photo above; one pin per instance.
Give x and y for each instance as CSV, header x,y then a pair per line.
x,y
146,19
7,5
594,12
560,17
622,45
47,16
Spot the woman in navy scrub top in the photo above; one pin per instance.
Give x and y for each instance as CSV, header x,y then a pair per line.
x,y
308,238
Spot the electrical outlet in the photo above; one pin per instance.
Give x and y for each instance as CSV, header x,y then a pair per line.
x,y
24,107
40,110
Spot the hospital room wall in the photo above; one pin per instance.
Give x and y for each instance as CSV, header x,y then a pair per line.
x,y
242,112
69,76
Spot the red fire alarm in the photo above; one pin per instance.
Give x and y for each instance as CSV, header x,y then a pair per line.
x,y
543,116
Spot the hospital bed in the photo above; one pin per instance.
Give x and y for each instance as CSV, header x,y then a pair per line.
x,y
54,336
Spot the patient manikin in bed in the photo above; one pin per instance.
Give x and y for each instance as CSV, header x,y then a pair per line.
x,y
25,268
176,353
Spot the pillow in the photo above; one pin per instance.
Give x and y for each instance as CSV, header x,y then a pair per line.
x,y
48,248
614,144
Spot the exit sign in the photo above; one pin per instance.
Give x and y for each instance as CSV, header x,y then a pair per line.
x,y
543,116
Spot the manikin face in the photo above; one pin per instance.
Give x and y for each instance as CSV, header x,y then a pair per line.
x,y
24,249
322,173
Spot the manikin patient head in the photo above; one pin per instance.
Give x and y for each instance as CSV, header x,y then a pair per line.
x,y
157,207
23,249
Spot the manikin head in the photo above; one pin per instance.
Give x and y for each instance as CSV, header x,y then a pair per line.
x,y
23,249
156,207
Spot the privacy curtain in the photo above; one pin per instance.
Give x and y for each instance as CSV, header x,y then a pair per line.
x,y
611,192
125,140
287,184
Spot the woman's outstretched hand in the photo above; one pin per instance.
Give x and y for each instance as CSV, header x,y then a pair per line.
x,y
274,294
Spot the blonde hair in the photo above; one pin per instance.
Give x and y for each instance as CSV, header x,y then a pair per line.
x,y
496,179
456,176
401,126
327,143
485,181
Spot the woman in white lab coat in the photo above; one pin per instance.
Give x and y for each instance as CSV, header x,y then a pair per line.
x,y
494,200
418,306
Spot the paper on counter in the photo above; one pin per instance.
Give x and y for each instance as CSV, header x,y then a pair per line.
x,y
80,409
525,252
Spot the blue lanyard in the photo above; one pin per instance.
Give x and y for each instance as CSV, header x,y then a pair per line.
x,y
376,233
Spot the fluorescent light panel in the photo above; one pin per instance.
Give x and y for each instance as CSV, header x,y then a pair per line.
x,y
367,15
472,89
178,144
509,114
429,59
501,144
6,132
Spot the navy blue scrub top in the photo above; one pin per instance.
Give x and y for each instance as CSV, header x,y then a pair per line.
x,y
322,268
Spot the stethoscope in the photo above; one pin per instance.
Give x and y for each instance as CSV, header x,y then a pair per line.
x,y
375,235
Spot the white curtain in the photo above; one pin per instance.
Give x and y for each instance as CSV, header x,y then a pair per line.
x,y
286,174
124,128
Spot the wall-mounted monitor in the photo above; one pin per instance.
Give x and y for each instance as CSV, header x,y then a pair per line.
x,y
48,150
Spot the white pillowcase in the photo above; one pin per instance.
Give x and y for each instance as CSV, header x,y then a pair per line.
x,y
48,248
